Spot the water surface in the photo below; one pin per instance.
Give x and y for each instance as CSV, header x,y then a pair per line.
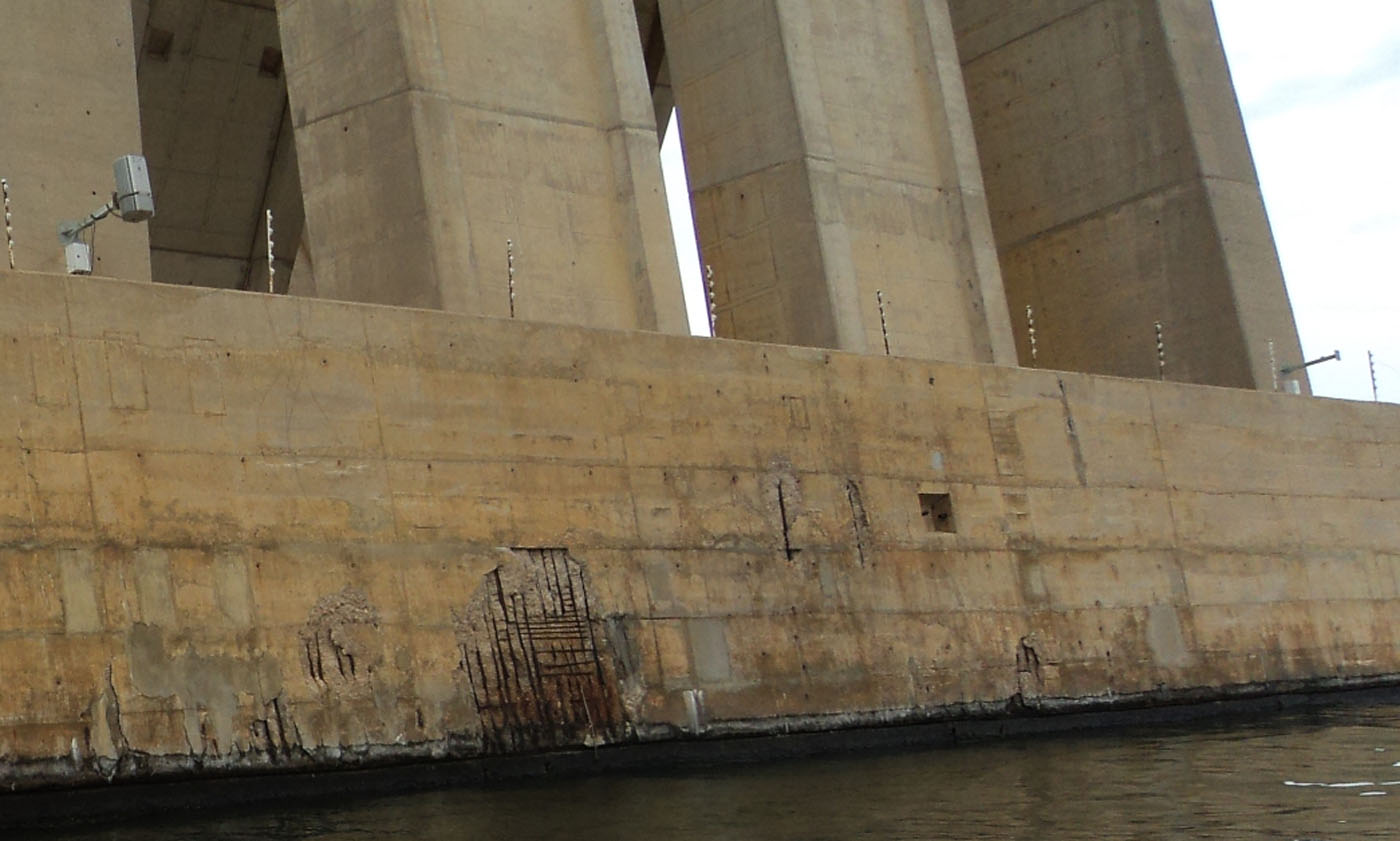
x,y
1333,774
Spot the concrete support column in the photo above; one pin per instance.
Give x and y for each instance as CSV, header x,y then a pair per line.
x,y
70,108
1122,190
431,132
830,155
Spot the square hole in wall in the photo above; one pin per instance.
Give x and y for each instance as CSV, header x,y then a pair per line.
x,y
937,511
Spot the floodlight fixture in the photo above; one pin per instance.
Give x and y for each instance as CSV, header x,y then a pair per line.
x,y
132,201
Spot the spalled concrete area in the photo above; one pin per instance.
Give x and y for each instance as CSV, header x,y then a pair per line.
x,y
247,532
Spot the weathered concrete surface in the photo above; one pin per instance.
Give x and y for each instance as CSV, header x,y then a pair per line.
x,y
430,133
243,531
69,105
830,156
1122,190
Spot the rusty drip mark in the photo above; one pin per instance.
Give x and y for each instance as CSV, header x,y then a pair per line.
x,y
281,726
206,742
114,718
1027,660
260,728
310,661
1080,470
860,523
788,551
884,321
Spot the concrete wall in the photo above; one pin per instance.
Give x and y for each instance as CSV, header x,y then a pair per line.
x,y
429,134
68,96
830,156
1122,190
248,531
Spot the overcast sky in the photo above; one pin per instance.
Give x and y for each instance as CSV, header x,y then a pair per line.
x,y
1319,85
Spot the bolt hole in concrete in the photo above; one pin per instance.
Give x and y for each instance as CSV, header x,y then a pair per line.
x,y
937,511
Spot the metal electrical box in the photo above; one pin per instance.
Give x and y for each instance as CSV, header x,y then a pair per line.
x,y
78,256
134,200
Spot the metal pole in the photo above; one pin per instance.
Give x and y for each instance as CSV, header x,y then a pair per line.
x,y
9,222
1293,369
271,269
884,322
710,299
1161,353
1371,360
1273,363
510,274
1030,332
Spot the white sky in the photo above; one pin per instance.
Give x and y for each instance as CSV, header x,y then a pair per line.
x,y
1319,85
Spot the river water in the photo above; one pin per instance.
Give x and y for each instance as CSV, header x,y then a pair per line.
x,y
1330,774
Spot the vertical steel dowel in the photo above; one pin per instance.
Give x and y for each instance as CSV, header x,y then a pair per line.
x,y
710,299
1030,332
1161,353
271,269
9,222
510,274
1371,360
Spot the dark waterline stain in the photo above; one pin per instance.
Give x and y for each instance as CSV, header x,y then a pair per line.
x,y
1320,774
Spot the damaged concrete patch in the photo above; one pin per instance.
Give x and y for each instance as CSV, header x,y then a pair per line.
x,y
206,687
337,640
539,671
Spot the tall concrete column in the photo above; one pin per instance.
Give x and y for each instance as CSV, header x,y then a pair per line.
x,y
1122,190
831,156
68,109
430,132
